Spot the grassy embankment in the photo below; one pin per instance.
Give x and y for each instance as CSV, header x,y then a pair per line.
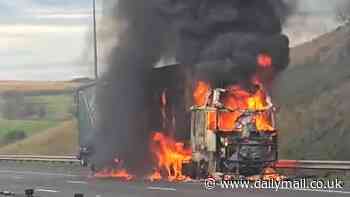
x,y
60,140
314,96
315,107
37,118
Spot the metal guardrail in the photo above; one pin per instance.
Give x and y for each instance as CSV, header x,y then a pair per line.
x,y
282,164
39,158
313,164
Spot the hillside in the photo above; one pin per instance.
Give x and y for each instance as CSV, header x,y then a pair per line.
x,y
38,87
313,94
60,140
330,48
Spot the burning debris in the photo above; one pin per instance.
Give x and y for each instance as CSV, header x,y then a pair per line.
x,y
116,171
156,176
268,174
113,173
170,157
243,35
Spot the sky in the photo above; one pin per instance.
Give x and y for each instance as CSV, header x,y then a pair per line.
x,y
49,39
45,39
311,19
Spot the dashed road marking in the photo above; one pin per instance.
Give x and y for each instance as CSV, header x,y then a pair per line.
x,y
77,182
161,188
47,190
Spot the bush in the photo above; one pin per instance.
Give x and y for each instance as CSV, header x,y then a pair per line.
x,y
13,105
13,136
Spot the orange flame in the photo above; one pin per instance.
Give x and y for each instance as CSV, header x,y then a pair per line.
x,y
156,176
236,98
267,175
271,174
170,156
201,93
118,172
113,173
264,60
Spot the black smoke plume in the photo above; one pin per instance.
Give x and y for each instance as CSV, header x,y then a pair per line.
x,y
191,31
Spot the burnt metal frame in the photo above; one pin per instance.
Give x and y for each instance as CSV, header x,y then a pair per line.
x,y
273,144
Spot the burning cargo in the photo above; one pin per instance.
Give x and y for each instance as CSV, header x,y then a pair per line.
x,y
201,128
229,126
210,112
233,131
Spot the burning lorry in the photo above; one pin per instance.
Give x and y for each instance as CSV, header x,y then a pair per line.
x,y
225,127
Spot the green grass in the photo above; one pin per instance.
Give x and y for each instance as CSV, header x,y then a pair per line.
x,y
28,126
59,107
59,140
31,114
56,109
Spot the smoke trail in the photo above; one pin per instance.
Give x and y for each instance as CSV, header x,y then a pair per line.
x,y
192,31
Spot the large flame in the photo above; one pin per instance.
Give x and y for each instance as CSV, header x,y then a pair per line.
x,y
170,156
236,99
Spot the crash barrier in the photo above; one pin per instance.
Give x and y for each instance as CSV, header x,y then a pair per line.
x,y
39,158
313,165
282,164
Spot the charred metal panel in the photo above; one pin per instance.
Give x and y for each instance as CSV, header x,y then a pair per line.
x,y
174,83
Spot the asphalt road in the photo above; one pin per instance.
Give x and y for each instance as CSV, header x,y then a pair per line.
x,y
65,181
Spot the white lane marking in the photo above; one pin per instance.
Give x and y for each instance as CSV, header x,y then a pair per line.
x,y
162,188
77,182
36,173
47,190
17,177
320,190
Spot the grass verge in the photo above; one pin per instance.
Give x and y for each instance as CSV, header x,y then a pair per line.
x,y
60,140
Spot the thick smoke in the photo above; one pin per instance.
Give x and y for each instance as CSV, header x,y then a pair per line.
x,y
124,90
224,28
192,31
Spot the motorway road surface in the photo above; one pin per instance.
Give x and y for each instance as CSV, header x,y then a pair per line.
x,y
64,181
